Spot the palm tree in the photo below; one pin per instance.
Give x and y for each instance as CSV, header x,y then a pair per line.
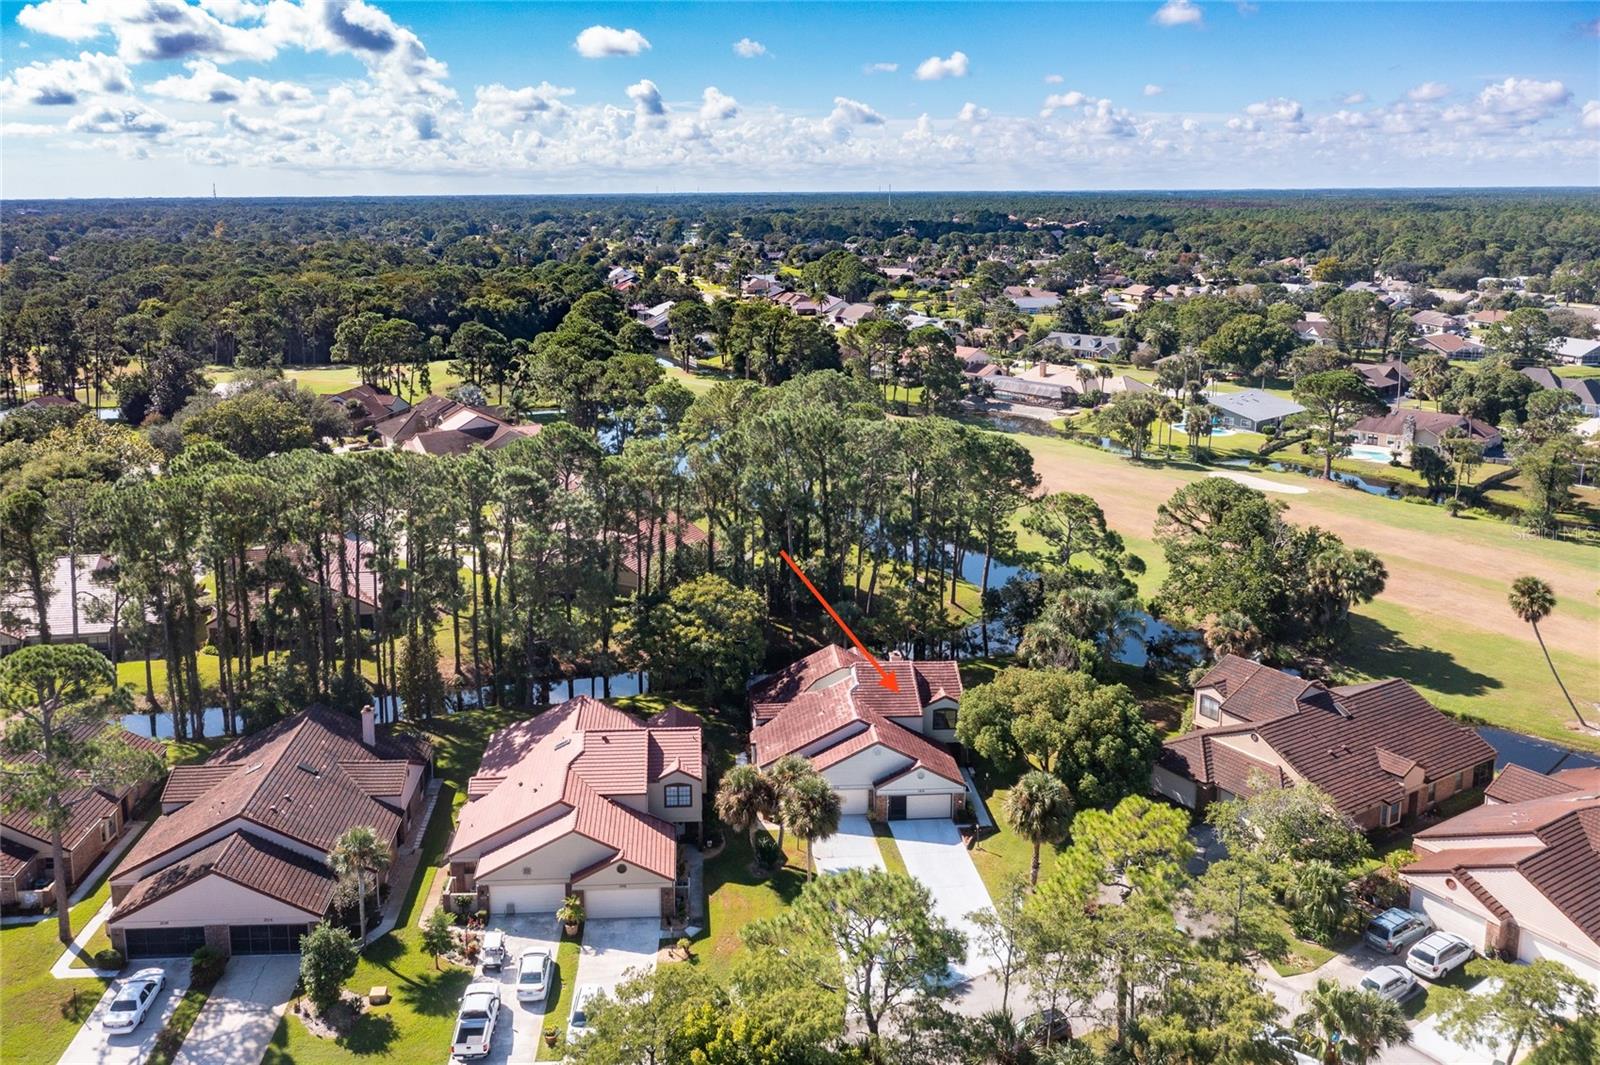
x,y
1085,374
1231,633
1171,414
1532,600
811,809
744,795
997,1039
1039,809
782,776
355,854
1319,896
1351,1021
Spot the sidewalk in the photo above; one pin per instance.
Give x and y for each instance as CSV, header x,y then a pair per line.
x,y
405,867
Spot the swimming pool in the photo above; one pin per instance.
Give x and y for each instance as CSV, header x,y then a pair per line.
x,y
1371,453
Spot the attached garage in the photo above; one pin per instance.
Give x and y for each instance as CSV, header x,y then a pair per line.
x,y
853,800
919,806
622,902
1450,918
526,898
164,942
266,938
1531,946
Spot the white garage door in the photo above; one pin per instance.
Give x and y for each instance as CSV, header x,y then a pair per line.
x,y
1448,918
927,806
622,902
1531,947
853,801
526,898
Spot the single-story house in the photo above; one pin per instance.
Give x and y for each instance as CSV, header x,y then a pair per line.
x,y
1084,345
82,607
846,315
1403,428
1519,874
1251,409
1576,351
1437,322
1038,393
1031,300
583,800
1451,346
366,406
97,816
238,859
622,279
884,752
1390,378
655,319
1585,389
1489,317
638,551
440,426
1380,750
761,285
1313,332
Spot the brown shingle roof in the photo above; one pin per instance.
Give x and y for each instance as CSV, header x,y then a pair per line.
x,y
248,860
288,778
1519,784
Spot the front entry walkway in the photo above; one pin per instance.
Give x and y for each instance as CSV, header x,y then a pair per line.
x,y
934,853
852,847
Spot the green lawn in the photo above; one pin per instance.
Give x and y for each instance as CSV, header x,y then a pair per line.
x,y
736,897
556,1013
329,379
1304,956
889,849
1003,855
42,1014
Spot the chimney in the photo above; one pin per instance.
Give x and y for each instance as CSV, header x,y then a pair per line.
x,y
369,731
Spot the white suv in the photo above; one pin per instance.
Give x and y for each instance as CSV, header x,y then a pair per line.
x,y
1437,954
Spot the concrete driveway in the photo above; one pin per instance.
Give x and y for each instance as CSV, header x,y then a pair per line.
x,y
521,1025
614,945
852,847
237,1022
95,1046
934,854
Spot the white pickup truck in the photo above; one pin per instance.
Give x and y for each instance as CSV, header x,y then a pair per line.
x,y
480,1009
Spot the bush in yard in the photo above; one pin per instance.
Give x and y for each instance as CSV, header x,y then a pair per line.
x,y
206,966
327,959
111,958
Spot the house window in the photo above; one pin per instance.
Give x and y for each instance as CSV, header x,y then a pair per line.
x,y
1461,779
944,719
1389,814
1432,790
1482,774
108,830
679,796
1210,709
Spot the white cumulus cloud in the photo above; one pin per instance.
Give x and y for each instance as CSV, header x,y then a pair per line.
x,y
601,42
933,68
1152,89
647,102
498,105
847,112
971,112
1518,102
880,68
717,106
1591,114
207,84
1428,90
66,81
745,48
1178,13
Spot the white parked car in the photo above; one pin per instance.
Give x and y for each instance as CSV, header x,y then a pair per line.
x,y
1390,981
480,1009
1435,956
534,972
134,999
583,997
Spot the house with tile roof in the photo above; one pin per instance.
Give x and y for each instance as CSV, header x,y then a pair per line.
x,y
366,406
82,609
97,817
440,426
238,859
1519,875
583,800
1403,428
1380,750
885,752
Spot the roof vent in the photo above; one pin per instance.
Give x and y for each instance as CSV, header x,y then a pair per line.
x,y
309,769
563,743
253,767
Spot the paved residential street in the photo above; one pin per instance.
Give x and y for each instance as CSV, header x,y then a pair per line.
x,y
935,855
95,1046
852,847
239,1018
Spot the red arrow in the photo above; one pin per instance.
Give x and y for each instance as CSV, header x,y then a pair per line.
x,y
885,678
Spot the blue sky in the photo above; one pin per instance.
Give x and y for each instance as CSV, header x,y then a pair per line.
x,y
319,97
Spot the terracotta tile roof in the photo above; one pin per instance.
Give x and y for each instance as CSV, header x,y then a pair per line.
x,y
677,750
378,779
680,532
615,763
561,767
1505,819
1354,742
248,860
1451,859
1198,756
1567,870
1519,784
15,856
187,783
1433,421
799,676
288,779
674,716
803,721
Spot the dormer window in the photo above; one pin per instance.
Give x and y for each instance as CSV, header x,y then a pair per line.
x,y
1210,708
944,719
